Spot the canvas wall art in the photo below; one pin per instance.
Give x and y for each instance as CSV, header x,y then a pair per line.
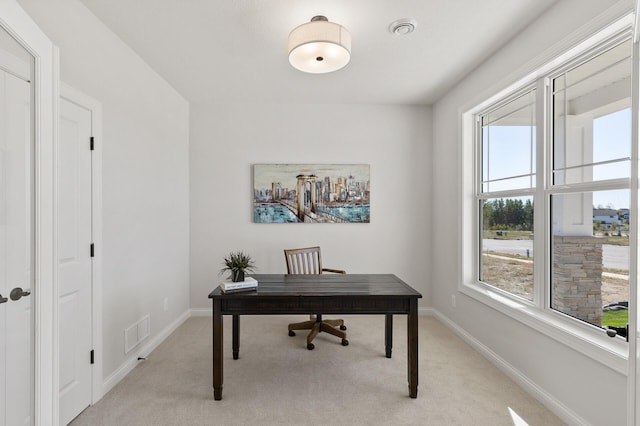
x,y
311,193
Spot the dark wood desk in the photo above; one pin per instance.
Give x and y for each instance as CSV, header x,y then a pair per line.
x,y
321,294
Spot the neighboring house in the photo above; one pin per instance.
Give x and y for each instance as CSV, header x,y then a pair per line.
x,y
624,215
606,216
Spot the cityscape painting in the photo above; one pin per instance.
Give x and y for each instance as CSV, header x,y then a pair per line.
x,y
311,193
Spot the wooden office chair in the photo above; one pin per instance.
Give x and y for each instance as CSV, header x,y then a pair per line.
x,y
308,261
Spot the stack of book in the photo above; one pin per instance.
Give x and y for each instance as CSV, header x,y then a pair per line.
x,y
248,284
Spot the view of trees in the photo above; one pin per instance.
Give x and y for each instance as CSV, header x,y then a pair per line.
x,y
510,214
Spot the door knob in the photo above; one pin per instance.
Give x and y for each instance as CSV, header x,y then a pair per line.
x,y
17,293
3,299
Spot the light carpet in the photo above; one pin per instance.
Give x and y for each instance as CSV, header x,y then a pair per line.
x,y
277,381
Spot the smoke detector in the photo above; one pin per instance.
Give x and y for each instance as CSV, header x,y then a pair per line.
x,y
403,26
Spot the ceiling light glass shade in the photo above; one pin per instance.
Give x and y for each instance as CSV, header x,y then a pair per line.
x,y
319,46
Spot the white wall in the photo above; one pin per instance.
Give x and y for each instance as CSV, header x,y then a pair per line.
x,y
575,383
145,253
227,139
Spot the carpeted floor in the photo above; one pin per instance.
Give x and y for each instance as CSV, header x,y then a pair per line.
x,y
277,381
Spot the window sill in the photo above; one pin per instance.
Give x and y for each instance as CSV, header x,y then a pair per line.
x,y
583,338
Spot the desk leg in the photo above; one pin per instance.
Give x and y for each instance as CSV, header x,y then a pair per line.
x,y
388,334
217,350
236,336
412,347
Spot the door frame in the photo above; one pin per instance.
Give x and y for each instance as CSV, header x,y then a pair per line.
x,y
45,375
633,325
77,97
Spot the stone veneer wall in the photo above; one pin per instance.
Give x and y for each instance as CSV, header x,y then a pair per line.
x,y
577,277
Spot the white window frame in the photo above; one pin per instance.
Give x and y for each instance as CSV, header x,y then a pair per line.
x,y
511,193
581,336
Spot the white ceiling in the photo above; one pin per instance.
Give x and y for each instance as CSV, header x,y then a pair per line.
x,y
236,50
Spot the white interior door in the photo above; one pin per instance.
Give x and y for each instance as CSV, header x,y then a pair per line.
x,y
16,236
74,259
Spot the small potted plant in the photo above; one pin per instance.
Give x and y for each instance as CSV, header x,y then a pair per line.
x,y
237,263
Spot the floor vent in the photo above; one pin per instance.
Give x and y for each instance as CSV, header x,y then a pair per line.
x,y
136,333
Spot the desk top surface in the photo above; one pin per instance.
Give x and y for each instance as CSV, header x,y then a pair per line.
x,y
357,285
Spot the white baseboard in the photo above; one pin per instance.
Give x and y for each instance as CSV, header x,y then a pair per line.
x,y
201,312
142,352
426,312
567,415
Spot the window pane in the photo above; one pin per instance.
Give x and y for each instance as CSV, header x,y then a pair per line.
x,y
590,256
506,246
612,135
592,119
508,145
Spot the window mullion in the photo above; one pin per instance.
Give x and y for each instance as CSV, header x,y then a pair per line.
x,y
541,222
479,153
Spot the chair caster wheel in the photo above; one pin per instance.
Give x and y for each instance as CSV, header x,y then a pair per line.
x,y
343,327
310,346
345,342
292,333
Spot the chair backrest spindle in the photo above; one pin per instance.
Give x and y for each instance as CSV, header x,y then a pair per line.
x,y
304,261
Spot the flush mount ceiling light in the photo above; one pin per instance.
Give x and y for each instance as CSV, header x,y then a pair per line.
x,y
319,46
403,26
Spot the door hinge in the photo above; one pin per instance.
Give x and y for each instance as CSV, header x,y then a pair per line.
x,y
92,357
91,143
93,252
